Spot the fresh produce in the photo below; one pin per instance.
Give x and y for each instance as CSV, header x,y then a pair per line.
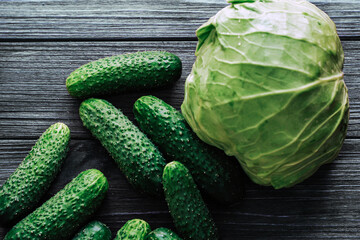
x,y
135,229
134,153
212,170
135,71
25,187
95,230
162,234
191,216
62,215
267,87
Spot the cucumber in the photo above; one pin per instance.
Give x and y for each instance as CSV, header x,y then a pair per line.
x,y
191,216
62,215
135,229
162,234
95,230
127,72
137,157
25,187
215,173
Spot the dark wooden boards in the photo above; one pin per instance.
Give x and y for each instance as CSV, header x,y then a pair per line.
x,y
136,19
33,93
323,207
42,41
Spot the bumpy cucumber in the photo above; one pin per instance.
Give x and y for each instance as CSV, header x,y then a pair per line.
x,y
135,229
162,234
64,213
191,216
141,70
95,230
215,173
24,188
134,153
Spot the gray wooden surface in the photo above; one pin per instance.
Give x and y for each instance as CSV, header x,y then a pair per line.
x,y
136,19
41,42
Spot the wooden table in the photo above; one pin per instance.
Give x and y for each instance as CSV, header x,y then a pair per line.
x,y
43,41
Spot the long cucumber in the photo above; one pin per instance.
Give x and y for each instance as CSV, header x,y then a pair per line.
x,y
190,214
215,173
60,217
126,72
137,157
25,187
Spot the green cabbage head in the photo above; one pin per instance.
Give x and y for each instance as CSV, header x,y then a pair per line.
x,y
267,87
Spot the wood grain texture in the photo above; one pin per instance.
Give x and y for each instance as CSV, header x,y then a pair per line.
x,y
43,41
136,19
323,207
33,93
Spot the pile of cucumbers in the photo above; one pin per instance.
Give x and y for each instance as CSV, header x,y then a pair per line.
x,y
164,158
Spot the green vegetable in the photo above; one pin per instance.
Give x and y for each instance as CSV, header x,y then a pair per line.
x,y
267,87
212,170
191,217
25,187
162,234
135,229
61,216
134,153
95,230
116,74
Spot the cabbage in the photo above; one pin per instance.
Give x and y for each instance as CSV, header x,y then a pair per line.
x,y
267,87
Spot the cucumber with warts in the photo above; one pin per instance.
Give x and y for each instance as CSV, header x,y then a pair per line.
x,y
25,187
215,173
135,229
190,214
137,157
95,230
61,216
126,72
162,234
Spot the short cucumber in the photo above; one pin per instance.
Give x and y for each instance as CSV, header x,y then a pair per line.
x,y
134,71
25,187
191,216
95,230
134,153
135,229
215,173
62,215
162,234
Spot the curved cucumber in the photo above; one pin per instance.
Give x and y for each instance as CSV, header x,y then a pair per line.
x,y
162,234
95,230
135,229
25,187
134,153
215,173
134,71
191,216
64,213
